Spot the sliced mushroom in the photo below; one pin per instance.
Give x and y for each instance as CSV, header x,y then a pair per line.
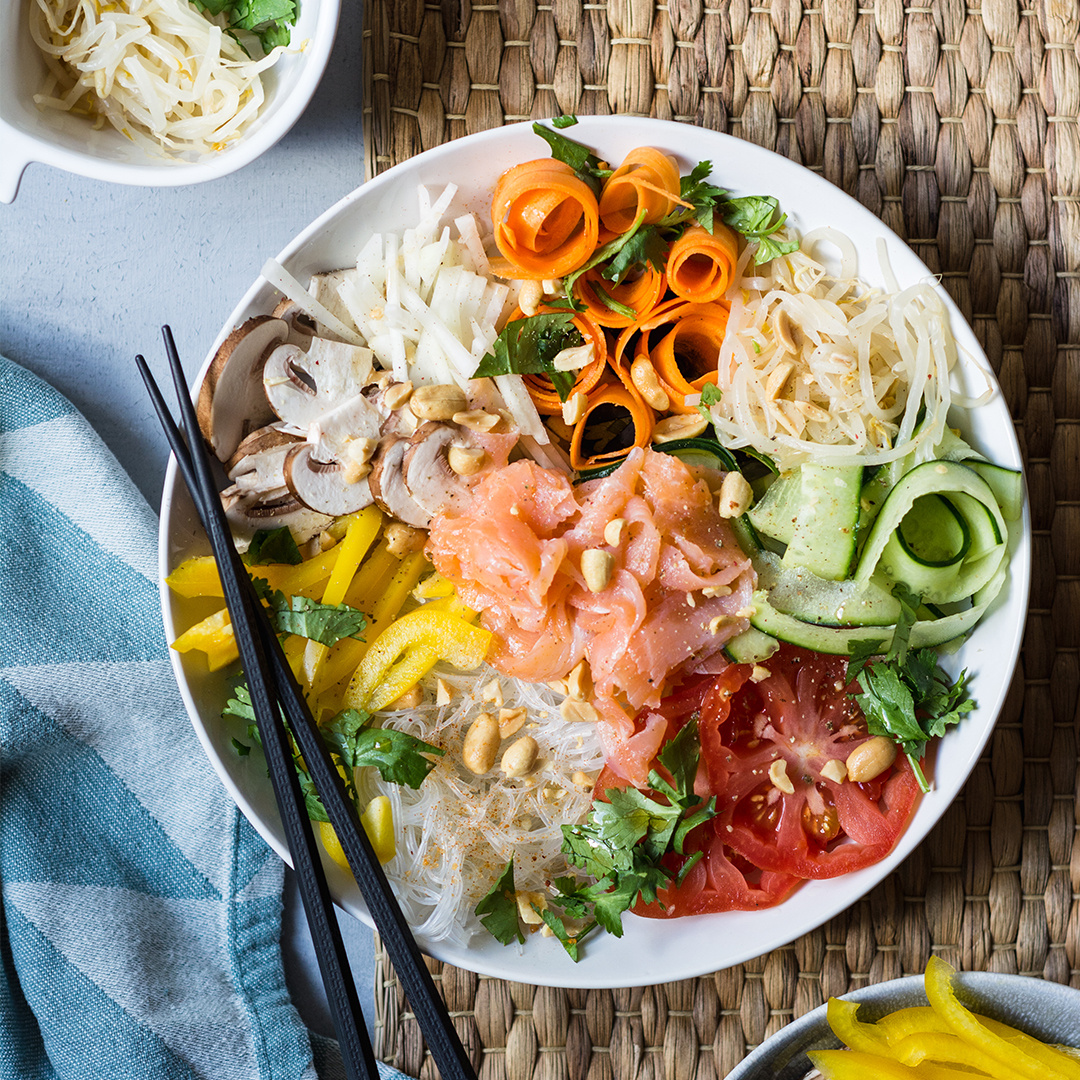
x,y
387,483
431,482
301,325
302,386
331,433
231,398
324,486
259,461
248,512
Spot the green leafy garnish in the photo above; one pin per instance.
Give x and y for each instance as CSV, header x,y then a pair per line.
x,y
580,158
703,197
273,546
752,215
353,743
564,121
906,694
325,623
710,396
268,20
621,844
498,910
529,347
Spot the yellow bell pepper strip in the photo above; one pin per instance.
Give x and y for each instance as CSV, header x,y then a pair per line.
x,y
433,587
360,535
305,576
383,608
198,576
853,1032
904,1022
939,1049
856,1065
1018,1055
407,650
452,605
213,636
378,822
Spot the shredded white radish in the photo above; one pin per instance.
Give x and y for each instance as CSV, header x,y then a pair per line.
x,y
817,366
159,71
457,831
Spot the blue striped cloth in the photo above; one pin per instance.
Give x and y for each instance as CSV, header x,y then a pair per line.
x,y
140,914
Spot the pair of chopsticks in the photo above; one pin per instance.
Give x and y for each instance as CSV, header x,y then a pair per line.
x,y
274,691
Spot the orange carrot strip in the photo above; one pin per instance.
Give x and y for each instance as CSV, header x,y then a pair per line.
x,y
686,357
545,218
646,180
700,264
620,397
541,389
641,294
648,321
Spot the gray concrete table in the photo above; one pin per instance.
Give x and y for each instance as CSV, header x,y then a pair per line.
x,y
90,271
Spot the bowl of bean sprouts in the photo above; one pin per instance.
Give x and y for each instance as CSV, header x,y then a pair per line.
x,y
151,93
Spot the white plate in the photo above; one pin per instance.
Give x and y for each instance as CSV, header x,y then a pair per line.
x,y
650,951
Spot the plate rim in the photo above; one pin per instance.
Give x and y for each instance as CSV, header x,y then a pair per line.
x,y
592,130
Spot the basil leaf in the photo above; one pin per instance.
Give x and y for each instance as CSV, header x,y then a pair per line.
x,y
529,347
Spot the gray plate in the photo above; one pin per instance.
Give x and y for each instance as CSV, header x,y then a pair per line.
x,y
1049,1011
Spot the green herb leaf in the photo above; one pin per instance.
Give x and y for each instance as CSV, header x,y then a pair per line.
x,y
498,910
642,248
273,546
529,347
398,756
564,121
905,694
325,623
269,20
580,158
753,216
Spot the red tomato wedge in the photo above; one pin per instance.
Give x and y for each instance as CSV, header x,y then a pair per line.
x,y
802,716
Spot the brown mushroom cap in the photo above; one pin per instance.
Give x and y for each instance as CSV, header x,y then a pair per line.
x,y
387,482
431,482
231,399
322,486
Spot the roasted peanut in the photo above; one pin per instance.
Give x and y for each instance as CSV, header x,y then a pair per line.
x,y
679,426
574,711
466,460
437,402
529,905
871,758
597,567
396,394
644,377
520,757
574,408
613,531
511,721
785,331
834,770
735,496
481,745
579,684
779,777
531,297
402,539
477,420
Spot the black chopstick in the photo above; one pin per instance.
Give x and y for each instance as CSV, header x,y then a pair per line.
x,y
255,635
356,1051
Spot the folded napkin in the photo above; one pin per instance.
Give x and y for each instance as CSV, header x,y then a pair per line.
x,y
140,914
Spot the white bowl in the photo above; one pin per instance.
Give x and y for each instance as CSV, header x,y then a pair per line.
x,y
28,133
650,951
1044,1010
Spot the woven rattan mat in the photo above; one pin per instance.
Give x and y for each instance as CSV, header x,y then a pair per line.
x,y
957,125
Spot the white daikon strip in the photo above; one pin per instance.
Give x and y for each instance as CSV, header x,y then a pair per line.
x,y
522,409
281,279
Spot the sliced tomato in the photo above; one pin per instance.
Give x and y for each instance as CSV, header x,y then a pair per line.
x,y
801,716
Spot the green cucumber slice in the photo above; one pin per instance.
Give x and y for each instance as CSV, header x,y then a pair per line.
x,y
826,528
883,554
842,640
1007,485
751,647
775,513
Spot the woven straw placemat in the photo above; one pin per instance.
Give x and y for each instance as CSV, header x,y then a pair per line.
x,y
957,125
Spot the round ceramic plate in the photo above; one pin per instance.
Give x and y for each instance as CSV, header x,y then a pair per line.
x,y
650,951
1045,1010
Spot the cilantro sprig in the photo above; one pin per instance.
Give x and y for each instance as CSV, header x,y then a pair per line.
x,y
905,694
268,20
353,743
620,846
529,346
325,623
581,159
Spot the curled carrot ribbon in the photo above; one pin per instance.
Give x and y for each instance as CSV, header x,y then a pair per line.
x,y
646,182
641,295
618,398
700,264
546,219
